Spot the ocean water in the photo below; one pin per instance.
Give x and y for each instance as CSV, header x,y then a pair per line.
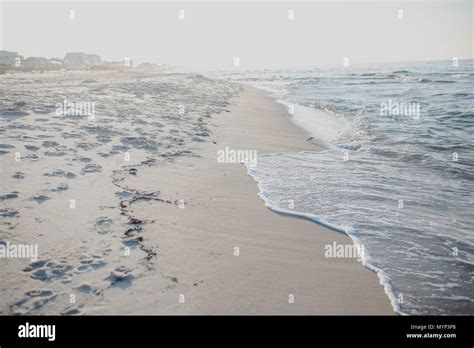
x,y
399,182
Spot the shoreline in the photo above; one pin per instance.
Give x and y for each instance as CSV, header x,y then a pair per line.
x,y
278,256
317,132
159,234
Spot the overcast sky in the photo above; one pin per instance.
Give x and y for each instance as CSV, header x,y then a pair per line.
x,y
259,34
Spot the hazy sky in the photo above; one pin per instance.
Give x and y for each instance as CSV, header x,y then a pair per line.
x,y
259,34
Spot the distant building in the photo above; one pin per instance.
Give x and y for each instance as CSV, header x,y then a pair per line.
x,y
36,62
81,60
74,60
92,60
56,62
10,58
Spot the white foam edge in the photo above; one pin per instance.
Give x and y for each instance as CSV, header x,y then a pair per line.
x,y
324,126
366,260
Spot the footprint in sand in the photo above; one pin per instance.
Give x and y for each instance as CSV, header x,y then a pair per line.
x,y
89,263
87,289
72,311
55,154
60,188
91,168
103,224
33,300
48,270
121,277
132,242
49,143
60,173
4,148
9,213
8,196
32,147
40,199
18,175
82,159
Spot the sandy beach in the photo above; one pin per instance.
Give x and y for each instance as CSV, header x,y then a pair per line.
x,y
279,256
186,235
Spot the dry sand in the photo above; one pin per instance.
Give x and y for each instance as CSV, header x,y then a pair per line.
x,y
279,256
